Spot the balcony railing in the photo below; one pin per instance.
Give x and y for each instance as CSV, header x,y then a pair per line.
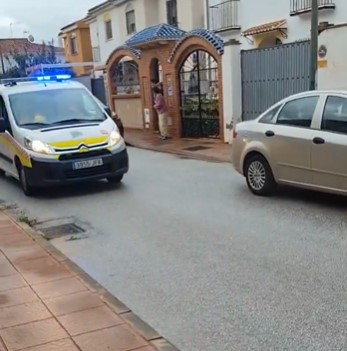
x,y
298,7
224,16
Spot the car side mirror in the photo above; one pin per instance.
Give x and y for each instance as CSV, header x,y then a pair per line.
x,y
2,125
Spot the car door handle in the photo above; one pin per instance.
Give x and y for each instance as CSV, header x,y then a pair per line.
x,y
269,133
318,140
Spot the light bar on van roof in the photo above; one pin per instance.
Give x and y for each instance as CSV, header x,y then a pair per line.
x,y
44,78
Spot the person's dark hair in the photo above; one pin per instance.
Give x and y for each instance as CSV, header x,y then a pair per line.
x,y
154,81
157,90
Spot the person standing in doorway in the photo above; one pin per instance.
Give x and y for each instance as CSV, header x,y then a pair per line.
x,y
161,108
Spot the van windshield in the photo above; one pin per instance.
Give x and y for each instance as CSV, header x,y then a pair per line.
x,y
37,109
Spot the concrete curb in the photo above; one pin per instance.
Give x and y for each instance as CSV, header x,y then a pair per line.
x,y
187,155
135,322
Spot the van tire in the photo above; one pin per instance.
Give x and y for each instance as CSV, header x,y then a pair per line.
x,y
28,190
115,180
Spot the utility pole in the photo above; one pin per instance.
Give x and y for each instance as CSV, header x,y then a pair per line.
x,y
314,44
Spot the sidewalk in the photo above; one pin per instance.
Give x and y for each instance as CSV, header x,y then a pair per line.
x,y
202,149
48,304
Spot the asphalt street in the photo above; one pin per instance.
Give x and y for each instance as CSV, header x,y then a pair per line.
x,y
210,266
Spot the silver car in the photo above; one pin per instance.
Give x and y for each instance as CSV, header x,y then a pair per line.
x,y
300,141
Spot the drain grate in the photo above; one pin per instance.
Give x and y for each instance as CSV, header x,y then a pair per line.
x,y
61,230
197,148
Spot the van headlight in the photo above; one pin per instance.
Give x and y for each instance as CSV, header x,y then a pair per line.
x,y
114,139
38,146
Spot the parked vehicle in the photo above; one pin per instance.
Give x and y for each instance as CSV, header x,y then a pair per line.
x,y
300,141
53,131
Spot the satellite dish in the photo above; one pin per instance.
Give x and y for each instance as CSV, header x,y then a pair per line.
x,y
31,38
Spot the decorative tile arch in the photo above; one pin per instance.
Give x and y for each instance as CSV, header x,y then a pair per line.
x,y
208,36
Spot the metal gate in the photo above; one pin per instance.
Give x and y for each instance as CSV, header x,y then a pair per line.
x,y
98,89
199,96
271,74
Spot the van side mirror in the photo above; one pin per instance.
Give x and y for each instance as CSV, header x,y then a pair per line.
x,y
2,125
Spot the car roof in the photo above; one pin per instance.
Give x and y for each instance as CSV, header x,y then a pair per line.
x,y
24,87
314,92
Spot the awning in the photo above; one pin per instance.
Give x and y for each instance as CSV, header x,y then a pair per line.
x,y
265,28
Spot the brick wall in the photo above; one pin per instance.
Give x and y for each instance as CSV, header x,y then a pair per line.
x,y
171,79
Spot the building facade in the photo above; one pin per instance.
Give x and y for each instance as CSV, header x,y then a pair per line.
x,y
113,22
267,50
77,45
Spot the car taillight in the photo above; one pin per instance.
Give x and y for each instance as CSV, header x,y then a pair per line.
x,y
234,133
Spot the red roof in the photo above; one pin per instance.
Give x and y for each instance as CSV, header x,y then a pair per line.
x,y
264,28
8,46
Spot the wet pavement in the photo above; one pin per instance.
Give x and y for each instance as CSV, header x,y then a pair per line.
x,y
208,265
201,149
44,306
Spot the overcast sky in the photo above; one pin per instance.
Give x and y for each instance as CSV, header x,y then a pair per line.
x,y
45,21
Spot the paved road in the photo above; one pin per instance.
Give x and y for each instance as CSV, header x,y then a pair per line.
x,y
211,267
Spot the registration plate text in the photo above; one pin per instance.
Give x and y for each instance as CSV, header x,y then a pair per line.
x,y
87,164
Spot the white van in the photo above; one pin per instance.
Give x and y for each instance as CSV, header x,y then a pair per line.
x,y
53,131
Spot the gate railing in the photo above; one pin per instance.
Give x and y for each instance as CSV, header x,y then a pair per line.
x,y
302,6
225,16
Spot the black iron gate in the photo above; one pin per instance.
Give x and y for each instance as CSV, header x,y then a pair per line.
x,y
199,96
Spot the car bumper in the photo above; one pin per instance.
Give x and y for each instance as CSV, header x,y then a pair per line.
x,y
45,173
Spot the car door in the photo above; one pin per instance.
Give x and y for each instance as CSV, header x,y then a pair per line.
x,y
289,139
5,154
329,145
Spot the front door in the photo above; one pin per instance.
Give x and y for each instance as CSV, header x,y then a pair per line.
x,y
289,140
329,146
199,96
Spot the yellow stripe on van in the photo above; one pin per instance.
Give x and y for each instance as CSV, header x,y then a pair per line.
x,y
10,143
69,144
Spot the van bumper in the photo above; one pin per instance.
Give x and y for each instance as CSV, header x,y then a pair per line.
x,y
46,173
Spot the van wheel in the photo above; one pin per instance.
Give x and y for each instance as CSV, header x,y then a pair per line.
x,y
259,176
26,187
115,180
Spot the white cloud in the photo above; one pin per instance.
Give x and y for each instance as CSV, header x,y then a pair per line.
x,y
42,18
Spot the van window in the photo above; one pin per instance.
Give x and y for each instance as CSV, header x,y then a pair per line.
x,y
4,114
49,107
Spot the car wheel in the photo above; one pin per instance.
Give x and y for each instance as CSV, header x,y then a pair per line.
x,y
259,176
26,187
115,180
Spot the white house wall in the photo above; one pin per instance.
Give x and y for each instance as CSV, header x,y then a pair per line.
x,y
332,73
147,13
255,12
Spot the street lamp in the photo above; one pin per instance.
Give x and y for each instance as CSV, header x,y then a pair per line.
x,y
314,44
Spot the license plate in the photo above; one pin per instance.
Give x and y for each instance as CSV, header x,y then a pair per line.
x,y
87,164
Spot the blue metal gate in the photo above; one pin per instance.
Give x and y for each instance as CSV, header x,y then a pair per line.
x,y
271,74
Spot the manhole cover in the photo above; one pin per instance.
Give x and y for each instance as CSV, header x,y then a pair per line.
x,y
61,230
197,148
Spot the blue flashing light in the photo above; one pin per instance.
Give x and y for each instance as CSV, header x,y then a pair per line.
x,y
56,77
64,76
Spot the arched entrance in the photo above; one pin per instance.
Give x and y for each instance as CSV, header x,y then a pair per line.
x,y
156,75
199,96
125,91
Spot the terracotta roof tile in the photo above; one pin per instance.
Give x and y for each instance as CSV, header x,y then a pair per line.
x,y
8,46
264,28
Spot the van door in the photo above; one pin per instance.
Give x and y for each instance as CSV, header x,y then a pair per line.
x,y
329,145
6,151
